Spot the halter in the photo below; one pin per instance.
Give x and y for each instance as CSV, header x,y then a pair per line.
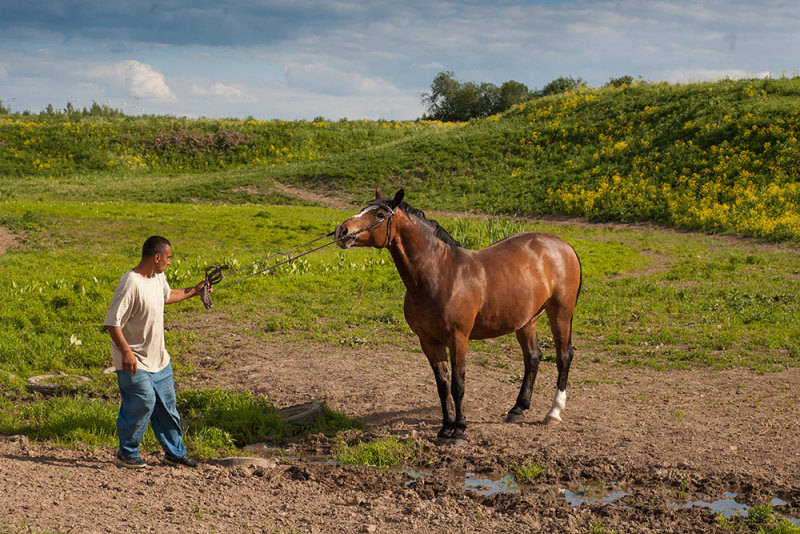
x,y
381,203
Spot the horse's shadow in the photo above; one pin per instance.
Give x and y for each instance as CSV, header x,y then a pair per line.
x,y
425,416
430,417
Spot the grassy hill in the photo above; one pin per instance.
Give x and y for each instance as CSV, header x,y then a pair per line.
x,y
718,157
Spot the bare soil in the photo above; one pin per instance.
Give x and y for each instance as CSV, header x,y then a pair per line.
x,y
7,239
667,438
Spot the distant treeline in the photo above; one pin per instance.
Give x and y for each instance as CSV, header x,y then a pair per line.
x,y
454,101
95,110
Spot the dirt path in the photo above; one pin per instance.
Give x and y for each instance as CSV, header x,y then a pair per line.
x,y
666,438
311,196
7,239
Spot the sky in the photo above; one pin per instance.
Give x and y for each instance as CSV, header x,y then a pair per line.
x,y
367,59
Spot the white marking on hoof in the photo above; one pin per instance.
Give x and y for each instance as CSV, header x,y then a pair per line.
x,y
553,417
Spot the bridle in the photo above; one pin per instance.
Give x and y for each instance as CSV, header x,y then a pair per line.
x,y
379,203
214,273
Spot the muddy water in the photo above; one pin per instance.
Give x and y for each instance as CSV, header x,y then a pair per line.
x,y
492,483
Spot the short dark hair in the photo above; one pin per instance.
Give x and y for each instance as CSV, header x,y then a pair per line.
x,y
155,244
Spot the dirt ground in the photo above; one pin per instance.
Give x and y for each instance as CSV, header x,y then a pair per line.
x,y
665,439
650,443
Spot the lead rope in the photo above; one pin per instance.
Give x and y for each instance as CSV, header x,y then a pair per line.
x,y
214,273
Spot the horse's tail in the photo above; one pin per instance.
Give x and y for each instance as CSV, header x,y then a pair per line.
x,y
580,274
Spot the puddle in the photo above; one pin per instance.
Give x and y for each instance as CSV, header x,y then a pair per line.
x,y
729,507
598,492
479,483
492,483
482,483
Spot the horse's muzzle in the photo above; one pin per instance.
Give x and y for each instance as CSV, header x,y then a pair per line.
x,y
342,238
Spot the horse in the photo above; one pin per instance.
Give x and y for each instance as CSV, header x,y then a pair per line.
x,y
454,294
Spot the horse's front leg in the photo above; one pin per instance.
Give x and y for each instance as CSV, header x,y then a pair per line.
x,y
458,363
436,353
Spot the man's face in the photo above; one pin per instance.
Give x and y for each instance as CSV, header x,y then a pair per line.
x,y
163,260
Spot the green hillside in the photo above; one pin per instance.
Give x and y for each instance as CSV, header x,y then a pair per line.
x,y
718,157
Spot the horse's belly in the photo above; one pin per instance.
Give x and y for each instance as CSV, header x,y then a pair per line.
x,y
482,332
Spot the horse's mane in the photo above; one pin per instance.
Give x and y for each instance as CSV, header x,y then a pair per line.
x,y
432,224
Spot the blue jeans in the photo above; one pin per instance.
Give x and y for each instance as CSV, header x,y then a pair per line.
x,y
149,397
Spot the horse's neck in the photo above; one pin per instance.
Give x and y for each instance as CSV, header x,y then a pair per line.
x,y
418,255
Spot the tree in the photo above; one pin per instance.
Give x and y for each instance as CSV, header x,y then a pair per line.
x,y
512,93
441,101
562,85
620,82
451,100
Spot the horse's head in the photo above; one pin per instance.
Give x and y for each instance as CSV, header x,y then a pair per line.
x,y
373,226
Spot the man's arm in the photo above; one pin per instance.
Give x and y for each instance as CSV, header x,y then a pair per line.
x,y
177,295
129,362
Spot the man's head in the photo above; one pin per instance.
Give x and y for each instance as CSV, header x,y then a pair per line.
x,y
159,250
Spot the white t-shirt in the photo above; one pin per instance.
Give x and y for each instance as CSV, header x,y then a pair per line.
x,y
138,307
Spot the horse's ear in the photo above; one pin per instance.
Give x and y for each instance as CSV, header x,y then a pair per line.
x,y
398,197
378,193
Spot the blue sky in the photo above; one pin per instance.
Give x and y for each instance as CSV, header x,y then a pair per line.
x,y
361,59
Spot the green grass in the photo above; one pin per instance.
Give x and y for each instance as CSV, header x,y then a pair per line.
x,y
219,421
649,297
381,453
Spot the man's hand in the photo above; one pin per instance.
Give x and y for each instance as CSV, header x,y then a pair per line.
x,y
129,362
199,287
178,295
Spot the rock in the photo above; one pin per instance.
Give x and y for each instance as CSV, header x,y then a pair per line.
x,y
239,461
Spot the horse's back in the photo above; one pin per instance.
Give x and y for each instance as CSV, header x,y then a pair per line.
x,y
527,250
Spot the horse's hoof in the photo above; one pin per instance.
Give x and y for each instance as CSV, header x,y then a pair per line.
x,y
513,418
551,421
451,442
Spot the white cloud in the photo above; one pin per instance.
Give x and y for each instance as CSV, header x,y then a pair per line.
x,y
226,92
332,81
144,81
3,73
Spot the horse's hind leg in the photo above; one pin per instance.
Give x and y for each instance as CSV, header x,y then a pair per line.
x,y
531,356
561,326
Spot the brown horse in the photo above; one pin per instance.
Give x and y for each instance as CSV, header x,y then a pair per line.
x,y
454,294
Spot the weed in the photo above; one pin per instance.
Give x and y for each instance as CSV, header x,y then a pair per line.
x,y
598,527
762,519
526,472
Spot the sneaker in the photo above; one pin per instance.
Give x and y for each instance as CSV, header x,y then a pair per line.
x,y
129,462
184,461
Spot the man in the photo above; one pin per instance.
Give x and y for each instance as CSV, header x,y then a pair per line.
x,y
135,321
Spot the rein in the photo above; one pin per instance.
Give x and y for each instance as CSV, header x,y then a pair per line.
x,y
215,274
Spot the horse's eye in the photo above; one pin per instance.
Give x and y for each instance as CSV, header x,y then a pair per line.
x,y
380,215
